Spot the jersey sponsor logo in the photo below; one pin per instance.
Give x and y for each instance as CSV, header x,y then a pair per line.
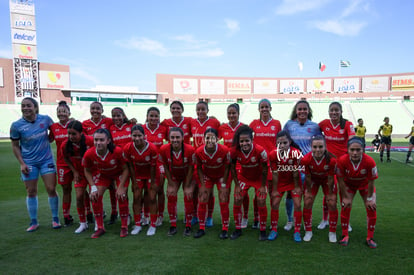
x,y
41,125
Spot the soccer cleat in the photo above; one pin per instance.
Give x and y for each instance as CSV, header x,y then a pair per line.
x,y
172,231
124,232
371,243
288,226
151,231
56,225
68,221
145,221
236,234
136,229
244,223
82,227
96,227
323,224
89,218
98,233
332,237
129,219
113,219
308,236
32,227
262,235
187,231
209,222
296,237
408,161
349,228
200,233
159,221
224,235
194,221
273,235
344,241
255,225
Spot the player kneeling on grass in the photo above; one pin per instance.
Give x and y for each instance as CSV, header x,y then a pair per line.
x,y
213,166
284,162
178,159
319,167
142,161
253,173
104,164
357,171
73,150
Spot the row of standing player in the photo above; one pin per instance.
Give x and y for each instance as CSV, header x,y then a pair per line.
x,y
300,127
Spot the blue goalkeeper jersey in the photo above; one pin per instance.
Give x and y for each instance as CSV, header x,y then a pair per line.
x,y
34,139
302,134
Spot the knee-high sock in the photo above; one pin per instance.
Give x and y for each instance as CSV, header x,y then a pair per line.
x,y
274,218
388,154
333,220
172,210
307,219
81,214
161,206
246,202
87,203
345,215
211,202
98,212
225,215
188,210
255,209
298,220
202,211
371,222
237,213
32,206
54,206
262,217
112,196
124,211
137,219
408,155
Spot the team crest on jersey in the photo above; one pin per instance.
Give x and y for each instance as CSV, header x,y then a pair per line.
x,y
273,128
363,171
185,159
128,129
309,130
219,160
184,126
253,159
41,125
112,162
159,135
341,131
103,126
326,167
147,158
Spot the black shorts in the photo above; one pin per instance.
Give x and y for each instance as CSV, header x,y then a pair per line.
x,y
386,140
412,140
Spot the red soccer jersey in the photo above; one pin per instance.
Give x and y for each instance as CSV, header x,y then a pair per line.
x,y
109,165
213,166
59,133
265,133
185,125
251,163
141,160
156,136
357,176
226,132
336,138
319,170
121,135
198,129
76,157
89,126
284,163
177,163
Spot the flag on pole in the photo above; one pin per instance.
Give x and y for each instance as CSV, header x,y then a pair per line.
x,y
300,66
345,63
322,66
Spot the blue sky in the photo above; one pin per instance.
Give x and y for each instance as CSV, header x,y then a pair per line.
x,y
126,43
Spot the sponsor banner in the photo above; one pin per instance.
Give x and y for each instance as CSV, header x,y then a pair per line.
x,y
185,86
26,37
24,51
1,78
346,85
23,21
319,85
405,82
291,86
22,6
265,86
239,86
375,84
212,86
54,80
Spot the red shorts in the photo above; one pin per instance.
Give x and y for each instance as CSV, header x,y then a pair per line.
x,y
291,194
65,175
105,180
283,187
146,183
245,185
210,182
325,188
82,183
363,190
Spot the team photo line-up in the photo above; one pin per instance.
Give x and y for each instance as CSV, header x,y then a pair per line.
x,y
198,153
